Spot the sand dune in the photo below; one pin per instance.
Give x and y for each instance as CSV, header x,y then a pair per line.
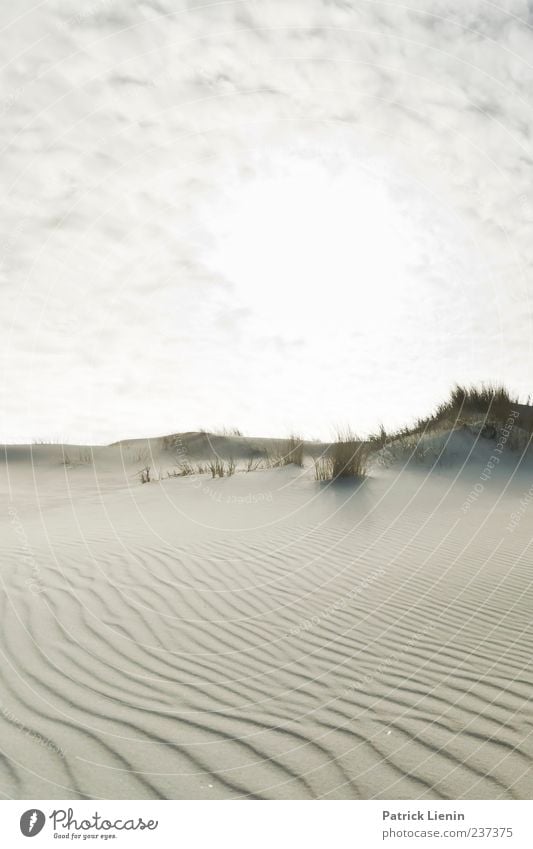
x,y
264,635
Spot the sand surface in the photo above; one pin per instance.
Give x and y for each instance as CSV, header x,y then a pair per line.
x,y
264,635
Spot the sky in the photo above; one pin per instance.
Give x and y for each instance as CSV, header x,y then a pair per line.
x,y
276,215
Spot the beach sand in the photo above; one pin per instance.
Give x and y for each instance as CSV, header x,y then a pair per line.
x,y
264,635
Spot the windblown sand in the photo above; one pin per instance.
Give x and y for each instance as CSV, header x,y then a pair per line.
x,y
264,635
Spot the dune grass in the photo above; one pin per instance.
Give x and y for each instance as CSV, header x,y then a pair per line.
x,y
484,409
491,402
144,475
221,469
289,452
295,451
347,458
82,457
187,469
488,402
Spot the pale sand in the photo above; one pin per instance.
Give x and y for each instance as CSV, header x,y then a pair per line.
x,y
264,636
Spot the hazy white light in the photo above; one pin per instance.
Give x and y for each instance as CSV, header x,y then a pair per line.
x,y
293,242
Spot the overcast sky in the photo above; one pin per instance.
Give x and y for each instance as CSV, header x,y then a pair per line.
x,y
275,215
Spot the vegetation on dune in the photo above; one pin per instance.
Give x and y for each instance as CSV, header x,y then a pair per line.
x,y
484,409
295,451
221,469
81,457
144,475
289,452
494,402
347,457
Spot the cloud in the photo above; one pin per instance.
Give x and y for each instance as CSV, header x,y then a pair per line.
x,y
127,129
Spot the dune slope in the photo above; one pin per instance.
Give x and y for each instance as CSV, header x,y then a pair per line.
x,y
264,636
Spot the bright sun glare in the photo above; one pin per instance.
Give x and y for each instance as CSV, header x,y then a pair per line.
x,y
294,241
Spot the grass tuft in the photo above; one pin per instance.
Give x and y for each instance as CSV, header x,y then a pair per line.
x,y
493,402
347,458
144,474
220,469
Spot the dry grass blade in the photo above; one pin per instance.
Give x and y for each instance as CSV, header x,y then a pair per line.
x,y
144,474
347,458
220,469
253,464
295,451
290,451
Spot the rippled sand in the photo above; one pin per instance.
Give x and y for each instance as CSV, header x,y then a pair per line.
x,y
263,636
